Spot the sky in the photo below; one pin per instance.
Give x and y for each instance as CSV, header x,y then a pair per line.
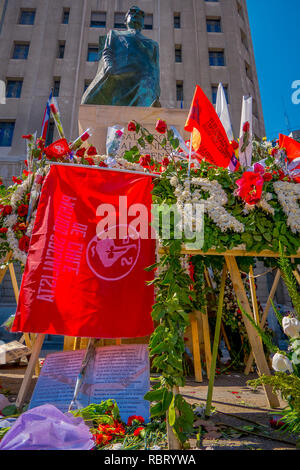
x,y
275,27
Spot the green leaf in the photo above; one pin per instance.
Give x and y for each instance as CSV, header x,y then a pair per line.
x,y
154,395
172,412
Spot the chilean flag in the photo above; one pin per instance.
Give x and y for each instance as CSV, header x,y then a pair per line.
x,y
46,117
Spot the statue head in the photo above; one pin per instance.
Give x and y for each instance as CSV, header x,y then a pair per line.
x,y
134,18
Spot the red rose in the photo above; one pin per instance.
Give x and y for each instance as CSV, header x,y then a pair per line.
x,y
53,108
246,127
274,151
145,160
1,182
89,160
80,152
27,137
267,176
22,227
250,187
85,136
131,126
92,151
26,163
17,180
132,418
165,161
281,175
22,210
3,230
24,243
234,145
7,210
26,173
119,133
103,164
161,126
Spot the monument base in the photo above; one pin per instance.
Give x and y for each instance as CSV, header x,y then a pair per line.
x,y
99,118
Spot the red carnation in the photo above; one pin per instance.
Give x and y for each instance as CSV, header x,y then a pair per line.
x,y
89,160
161,126
132,418
165,161
274,151
246,127
27,137
103,164
3,230
80,152
267,176
234,145
24,243
17,180
131,126
23,210
92,151
138,431
7,210
119,133
145,160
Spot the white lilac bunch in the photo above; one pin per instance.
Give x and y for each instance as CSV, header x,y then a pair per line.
x,y
288,196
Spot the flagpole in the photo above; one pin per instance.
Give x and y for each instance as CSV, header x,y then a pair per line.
x,y
190,156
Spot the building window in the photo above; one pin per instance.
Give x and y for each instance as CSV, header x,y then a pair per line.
x,y
98,19
120,21
61,49
240,9
14,88
148,21
50,133
177,21
65,16
213,25
248,71
178,53
92,55
244,39
217,58
56,86
211,0
6,133
20,51
214,92
27,17
179,91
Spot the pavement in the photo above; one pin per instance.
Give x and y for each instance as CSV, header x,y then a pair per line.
x,y
237,409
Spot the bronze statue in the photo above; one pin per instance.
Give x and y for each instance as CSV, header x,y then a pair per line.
x,y
128,71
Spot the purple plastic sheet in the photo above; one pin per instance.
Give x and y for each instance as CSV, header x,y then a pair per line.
x,y
47,428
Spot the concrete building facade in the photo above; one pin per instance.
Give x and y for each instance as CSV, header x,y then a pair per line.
x,y
53,43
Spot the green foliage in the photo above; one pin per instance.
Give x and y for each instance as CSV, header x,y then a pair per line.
x,y
286,269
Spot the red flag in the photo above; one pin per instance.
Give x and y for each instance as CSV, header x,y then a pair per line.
x,y
76,282
210,139
58,149
291,146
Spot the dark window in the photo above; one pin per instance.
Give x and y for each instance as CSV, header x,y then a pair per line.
x,y
27,17
66,16
248,71
14,88
98,19
213,25
214,92
148,21
179,91
211,0
20,51
120,21
56,86
86,84
217,58
177,21
6,133
92,55
50,133
61,49
244,39
240,9
178,53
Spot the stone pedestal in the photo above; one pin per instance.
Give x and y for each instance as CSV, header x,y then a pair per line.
x,y
99,118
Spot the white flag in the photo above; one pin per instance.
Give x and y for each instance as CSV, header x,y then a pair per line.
x,y
223,112
245,148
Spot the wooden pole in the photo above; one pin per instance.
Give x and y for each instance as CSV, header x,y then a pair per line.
x,y
216,343
264,317
206,338
196,347
173,442
29,371
253,335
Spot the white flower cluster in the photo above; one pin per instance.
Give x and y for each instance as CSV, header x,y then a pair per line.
x,y
264,205
289,197
280,362
213,206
